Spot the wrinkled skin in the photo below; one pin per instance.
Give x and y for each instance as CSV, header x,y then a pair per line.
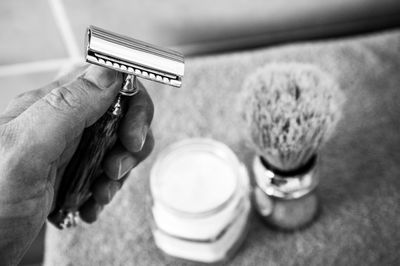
x,y
39,132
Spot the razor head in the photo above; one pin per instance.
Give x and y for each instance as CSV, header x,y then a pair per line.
x,y
134,57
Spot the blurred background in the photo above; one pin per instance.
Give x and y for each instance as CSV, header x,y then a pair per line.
x,y
40,37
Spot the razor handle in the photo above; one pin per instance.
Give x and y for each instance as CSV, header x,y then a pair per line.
x,y
84,166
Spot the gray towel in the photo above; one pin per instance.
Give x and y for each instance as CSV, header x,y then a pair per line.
x,y
360,175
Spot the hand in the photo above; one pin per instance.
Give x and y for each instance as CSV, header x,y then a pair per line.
x,y
39,133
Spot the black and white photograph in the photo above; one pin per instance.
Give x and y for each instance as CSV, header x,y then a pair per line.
x,y
193,133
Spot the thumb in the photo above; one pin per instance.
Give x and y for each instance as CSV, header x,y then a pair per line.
x,y
60,116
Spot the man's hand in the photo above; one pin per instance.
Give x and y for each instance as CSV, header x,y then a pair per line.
x,y
39,133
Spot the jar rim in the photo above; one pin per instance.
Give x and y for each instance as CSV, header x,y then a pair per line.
x,y
186,146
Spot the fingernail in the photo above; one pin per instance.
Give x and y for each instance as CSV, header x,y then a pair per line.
x,y
102,77
145,129
99,208
114,187
125,165
141,137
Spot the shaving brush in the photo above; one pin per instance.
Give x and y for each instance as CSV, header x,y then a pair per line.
x,y
291,110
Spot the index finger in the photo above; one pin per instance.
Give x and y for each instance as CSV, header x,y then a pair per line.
x,y
135,125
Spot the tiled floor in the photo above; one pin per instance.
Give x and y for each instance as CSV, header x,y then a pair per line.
x,y
22,27
33,47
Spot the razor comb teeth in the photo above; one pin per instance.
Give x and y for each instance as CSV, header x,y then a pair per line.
x,y
131,70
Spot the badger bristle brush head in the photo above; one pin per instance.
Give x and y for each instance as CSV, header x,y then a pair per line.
x,y
291,109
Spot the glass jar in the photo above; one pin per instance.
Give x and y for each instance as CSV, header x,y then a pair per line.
x,y
200,200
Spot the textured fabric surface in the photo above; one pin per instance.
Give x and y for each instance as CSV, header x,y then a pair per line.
x,y
360,166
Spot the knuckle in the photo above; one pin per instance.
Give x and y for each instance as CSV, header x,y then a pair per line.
x,y
63,98
85,85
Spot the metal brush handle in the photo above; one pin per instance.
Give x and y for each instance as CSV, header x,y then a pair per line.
x,y
81,171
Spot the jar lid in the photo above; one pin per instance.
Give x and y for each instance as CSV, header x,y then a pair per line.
x,y
195,177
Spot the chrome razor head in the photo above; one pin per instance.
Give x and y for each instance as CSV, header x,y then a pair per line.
x,y
134,57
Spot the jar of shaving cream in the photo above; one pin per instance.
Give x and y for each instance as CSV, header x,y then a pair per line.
x,y
200,201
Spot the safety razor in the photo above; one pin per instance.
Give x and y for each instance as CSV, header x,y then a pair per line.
x,y
135,59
